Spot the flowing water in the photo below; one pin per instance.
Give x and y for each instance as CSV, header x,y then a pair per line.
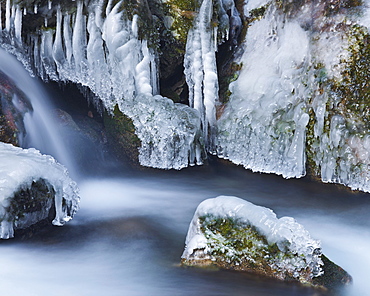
x,y
129,235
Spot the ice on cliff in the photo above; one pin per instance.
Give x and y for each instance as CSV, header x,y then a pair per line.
x,y
282,100
18,169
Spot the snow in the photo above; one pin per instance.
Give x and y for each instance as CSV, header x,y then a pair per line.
x,y
18,169
289,235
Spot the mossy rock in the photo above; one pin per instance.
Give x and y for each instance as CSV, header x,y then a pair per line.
x,y
31,208
234,245
121,137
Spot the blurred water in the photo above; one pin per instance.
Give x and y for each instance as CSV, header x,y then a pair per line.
x,y
128,237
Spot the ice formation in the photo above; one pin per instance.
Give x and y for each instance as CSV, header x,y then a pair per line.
x,y
286,96
174,139
200,61
286,107
263,127
201,70
299,252
101,50
18,169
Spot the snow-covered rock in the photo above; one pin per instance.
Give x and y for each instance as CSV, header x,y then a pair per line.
x,y
21,171
235,234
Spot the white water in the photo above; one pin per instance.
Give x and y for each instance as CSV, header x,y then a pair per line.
x,y
41,128
128,237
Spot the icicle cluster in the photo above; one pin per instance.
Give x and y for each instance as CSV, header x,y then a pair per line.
x,y
200,61
101,50
18,169
173,139
201,70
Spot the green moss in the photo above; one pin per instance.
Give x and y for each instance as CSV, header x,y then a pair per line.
x,y
237,243
229,74
121,136
354,90
257,13
182,13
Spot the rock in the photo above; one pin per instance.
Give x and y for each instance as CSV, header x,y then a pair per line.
x,y
85,136
231,233
121,137
13,105
30,184
32,205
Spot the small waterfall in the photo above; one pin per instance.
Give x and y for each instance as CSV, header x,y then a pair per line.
x,y
41,128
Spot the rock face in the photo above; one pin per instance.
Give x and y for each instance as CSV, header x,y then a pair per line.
x,y
13,105
234,234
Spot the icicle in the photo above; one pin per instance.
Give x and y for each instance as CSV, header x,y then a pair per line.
x,y
25,11
98,68
79,39
46,53
45,22
67,37
49,4
134,26
142,69
99,15
58,52
154,74
36,56
7,16
18,24
35,9
201,71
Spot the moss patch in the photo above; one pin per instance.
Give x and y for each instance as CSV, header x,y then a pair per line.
x,y
239,246
122,140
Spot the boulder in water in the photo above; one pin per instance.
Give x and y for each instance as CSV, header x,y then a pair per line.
x,y
30,184
232,233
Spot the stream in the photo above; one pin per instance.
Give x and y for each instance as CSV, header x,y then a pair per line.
x,y
128,237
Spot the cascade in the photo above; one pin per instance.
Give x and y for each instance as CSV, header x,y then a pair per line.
x,y
41,129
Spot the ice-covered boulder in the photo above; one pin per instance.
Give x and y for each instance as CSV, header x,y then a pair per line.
x,y
30,183
235,234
